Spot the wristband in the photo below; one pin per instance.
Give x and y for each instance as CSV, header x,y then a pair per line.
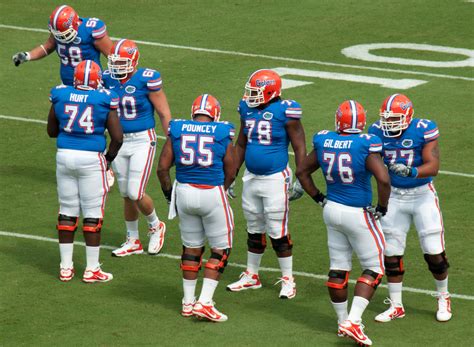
x,y
27,56
319,198
414,172
381,209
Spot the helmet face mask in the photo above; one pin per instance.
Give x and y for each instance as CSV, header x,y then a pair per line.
x,y
395,115
262,86
206,105
123,59
63,24
350,117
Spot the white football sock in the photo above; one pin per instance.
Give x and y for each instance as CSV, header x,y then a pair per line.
x,y
66,251
395,292
359,304
341,311
253,262
286,266
442,286
152,219
92,256
207,292
189,289
132,229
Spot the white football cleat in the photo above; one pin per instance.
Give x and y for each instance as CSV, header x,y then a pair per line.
x,y
187,310
131,246
66,274
288,287
355,332
208,311
394,311
444,307
247,281
96,275
157,238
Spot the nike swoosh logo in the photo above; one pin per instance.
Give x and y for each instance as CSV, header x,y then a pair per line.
x,y
249,113
386,143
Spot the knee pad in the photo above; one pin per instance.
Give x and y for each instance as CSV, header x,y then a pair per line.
x,y
437,267
95,228
65,227
338,274
256,241
283,244
372,283
191,257
395,268
222,258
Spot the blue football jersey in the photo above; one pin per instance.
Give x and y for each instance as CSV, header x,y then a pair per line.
x,y
136,111
82,48
342,159
407,149
82,117
199,149
267,139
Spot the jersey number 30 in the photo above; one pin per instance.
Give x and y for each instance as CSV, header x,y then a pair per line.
x,y
203,157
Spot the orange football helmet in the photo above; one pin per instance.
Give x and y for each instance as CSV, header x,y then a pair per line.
x,y
207,105
87,75
123,59
262,86
396,113
350,117
64,23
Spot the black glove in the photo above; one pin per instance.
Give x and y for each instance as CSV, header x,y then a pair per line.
x,y
167,194
320,199
20,58
378,212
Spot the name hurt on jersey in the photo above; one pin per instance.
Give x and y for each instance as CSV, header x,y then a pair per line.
x,y
199,128
330,143
78,97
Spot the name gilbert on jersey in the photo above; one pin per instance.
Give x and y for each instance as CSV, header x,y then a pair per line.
x,y
78,97
202,128
338,144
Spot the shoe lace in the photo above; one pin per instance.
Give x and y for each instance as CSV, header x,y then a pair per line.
x,y
284,280
388,301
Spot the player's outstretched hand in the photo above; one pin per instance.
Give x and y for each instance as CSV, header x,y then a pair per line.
x,y
378,212
20,58
401,170
296,191
230,192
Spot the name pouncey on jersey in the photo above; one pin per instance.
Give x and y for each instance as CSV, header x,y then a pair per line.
x,y
342,159
267,138
407,149
82,117
82,48
136,112
199,149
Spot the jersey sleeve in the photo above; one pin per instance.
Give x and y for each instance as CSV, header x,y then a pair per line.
x,y
53,95
374,129
293,109
430,129
98,27
153,80
241,108
374,143
174,131
114,100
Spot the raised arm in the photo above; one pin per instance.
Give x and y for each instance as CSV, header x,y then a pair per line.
x,y
36,53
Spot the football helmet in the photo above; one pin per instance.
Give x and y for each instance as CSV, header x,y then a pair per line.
x,y
350,117
87,75
396,113
64,23
207,105
123,59
262,86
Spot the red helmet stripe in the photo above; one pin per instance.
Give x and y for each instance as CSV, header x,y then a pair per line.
x,y
389,102
57,15
354,114
117,48
87,72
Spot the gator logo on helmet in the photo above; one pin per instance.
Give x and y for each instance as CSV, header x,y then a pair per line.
x,y
131,50
265,83
67,24
405,105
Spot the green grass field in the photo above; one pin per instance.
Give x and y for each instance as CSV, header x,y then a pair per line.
x,y
141,305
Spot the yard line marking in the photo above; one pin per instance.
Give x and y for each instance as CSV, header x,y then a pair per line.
x,y
242,266
23,119
252,55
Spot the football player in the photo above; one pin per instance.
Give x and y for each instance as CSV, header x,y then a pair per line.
x,y
348,159
74,39
202,151
141,93
78,118
268,125
412,155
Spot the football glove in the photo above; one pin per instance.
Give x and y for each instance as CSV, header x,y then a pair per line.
x,y
403,170
296,191
378,212
167,194
230,191
320,199
20,58
110,177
